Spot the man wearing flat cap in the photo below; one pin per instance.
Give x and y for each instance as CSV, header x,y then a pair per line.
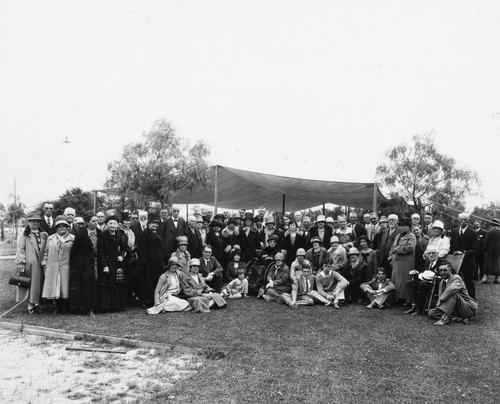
x,y
464,242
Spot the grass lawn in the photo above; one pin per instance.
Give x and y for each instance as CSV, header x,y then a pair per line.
x,y
315,354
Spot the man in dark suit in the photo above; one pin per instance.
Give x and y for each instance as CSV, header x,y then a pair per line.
x,y
464,242
427,227
387,237
172,228
419,288
138,229
211,270
359,229
481,236
47,224
195,243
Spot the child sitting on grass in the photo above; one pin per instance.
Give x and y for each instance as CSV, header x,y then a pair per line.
x,y
237,288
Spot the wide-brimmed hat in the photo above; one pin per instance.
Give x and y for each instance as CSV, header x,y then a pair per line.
x,y
273,237
439,224
194,261
329,219
353,251
216,223
320,218
182,240
300,253
79,220
125,217
279,257
426,275
232,220
205,219
173,261
383,219
258,219
235,250
334,239
316,240
154,218
269,220
112,217
35,215
61,219
219,216
249,216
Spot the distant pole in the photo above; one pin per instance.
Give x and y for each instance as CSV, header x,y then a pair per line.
x,y
374,206
187,210
323,208
95,200
283,204
215,191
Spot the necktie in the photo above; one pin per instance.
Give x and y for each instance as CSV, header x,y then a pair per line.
x,y
307,285
461,232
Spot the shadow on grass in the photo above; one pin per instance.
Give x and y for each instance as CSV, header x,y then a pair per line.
x,y
312,354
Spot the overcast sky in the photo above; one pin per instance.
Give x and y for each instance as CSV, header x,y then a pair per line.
x,y
314,89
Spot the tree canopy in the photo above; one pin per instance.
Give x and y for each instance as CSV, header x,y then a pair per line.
x,y
76,198
423,176
159,166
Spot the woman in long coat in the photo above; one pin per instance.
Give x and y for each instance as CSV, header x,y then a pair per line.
x,y
403,259
86,257
216,241
150,259
111,280
29,256
492,251
292,241
56,265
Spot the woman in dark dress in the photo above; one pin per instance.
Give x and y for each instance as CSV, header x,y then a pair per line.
x,y
292,241
86,257
216,241
151,259
111,282
235,264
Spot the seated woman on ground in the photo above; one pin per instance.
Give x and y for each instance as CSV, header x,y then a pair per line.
x,y
168,292
237,288
278,280
198,293
233,268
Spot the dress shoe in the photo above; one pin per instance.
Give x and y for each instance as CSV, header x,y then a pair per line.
x,y
412,310
336,306
370,306
443,320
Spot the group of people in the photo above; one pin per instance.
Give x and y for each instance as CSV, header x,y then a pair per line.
x,y
166,263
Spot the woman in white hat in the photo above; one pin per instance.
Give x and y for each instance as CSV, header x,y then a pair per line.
x,y
56,265
439,240
30,250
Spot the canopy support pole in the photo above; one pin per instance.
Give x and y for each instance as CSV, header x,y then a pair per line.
x,y
374,206
95,200
215,191
283,204
323,208
187,210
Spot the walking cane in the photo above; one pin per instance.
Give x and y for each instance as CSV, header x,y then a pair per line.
x,y
12,308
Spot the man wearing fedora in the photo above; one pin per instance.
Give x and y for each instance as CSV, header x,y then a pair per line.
x,y
464,242
454,302
420,286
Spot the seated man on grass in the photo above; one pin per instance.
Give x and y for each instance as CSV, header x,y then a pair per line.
x,y
330,286
454,302
301,289
380,290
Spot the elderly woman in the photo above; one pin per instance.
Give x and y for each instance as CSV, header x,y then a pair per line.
x,y
56,265
278,280
439,240
131,260
169,290
111,281
316,255
403,259
85,258
182,254
235,265
198,293
150,259
30,250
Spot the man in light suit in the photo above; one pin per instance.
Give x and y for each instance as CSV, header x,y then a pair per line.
x,y
211,270
172,228
454,303
464,242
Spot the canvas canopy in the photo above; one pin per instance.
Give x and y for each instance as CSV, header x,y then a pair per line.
x,y
234,189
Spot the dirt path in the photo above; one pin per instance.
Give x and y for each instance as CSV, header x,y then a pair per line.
x,y
39,370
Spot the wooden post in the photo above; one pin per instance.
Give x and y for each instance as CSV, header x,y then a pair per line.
x,y
323,208
95,200
283,204
374,206
215,191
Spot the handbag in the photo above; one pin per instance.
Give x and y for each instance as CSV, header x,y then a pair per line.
x,y
20,280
